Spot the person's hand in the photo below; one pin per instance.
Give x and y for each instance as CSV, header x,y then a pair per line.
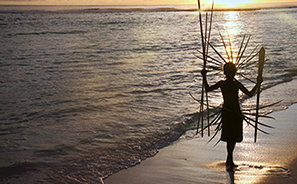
x,y
203,72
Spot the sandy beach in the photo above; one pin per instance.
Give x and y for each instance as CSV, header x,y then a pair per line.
x,y
273,159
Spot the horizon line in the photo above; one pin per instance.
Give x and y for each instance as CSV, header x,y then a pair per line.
x,y
175,7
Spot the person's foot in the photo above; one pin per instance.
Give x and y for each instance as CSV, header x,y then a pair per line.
x,y
234,165
229,167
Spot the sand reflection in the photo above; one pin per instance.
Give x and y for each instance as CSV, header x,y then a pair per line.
x,y
250,172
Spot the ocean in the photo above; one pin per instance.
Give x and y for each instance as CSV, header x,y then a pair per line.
x,y
86,93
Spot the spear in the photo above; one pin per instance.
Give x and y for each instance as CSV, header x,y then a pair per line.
x,y
204,65
260,71
204,53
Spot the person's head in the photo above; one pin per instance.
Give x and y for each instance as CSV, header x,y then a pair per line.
x,y
230,70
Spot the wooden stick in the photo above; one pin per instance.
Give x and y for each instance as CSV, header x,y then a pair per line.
x,y
239,51
205,32
225,46
218,53
246,44
260,72
207,46
205,54
230,46
210,26
205,40
204,65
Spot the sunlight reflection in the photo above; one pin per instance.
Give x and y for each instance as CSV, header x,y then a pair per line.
x,y
255,172
231,25
230,29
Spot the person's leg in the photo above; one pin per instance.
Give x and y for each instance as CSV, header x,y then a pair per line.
x,y
230,148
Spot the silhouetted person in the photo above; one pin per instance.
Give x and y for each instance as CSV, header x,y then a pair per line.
x,y
232,117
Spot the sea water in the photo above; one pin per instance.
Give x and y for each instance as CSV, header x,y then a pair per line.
x,y
86,93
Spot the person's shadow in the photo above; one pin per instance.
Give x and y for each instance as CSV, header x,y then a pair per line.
x,y
231,176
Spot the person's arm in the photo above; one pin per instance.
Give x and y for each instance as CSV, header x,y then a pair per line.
x,y
207,87
253,91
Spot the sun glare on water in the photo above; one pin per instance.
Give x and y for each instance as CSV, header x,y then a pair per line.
x,y
230,3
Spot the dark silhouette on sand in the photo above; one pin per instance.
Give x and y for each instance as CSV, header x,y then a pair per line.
x,y
232,118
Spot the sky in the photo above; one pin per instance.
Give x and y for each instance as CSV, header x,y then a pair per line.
x,y
227,3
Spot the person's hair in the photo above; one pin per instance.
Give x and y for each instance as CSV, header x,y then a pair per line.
x,y
229,67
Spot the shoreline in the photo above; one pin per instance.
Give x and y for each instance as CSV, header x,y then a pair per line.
x,y
273,159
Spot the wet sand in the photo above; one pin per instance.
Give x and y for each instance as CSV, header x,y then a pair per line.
x,y
273,159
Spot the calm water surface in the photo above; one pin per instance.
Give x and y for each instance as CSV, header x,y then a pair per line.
x,y
85,94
